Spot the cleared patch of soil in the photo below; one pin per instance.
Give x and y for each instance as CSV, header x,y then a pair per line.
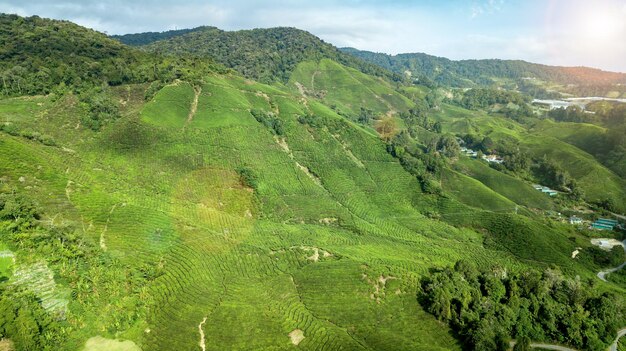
x,y
6,345
296,336
202,341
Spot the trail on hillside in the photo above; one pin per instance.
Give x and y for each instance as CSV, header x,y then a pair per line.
x,y
103,245
202,342
620,333
194,105
602,274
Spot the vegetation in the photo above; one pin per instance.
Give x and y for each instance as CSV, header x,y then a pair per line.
x,y
266,55
470,73
488,308
195,202
42,56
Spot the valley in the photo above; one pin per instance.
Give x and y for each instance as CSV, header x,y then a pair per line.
x,y
263,190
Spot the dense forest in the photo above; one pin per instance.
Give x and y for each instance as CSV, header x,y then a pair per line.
x,y
468,73
266,55
39,56
490,307
146,38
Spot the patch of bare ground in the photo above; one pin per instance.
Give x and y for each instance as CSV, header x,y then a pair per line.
x,y
202,342
328,221
6,345
313,177
283,145
194,105
296,336
379,284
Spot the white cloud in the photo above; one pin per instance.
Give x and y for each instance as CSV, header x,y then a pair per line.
x,y
458,30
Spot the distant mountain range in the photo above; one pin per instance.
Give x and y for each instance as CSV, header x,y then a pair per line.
x,y
466,73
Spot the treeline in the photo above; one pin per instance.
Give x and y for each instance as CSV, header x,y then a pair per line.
x,y
477,98
488,308
41,56
146,38
265,55
472,73
602,112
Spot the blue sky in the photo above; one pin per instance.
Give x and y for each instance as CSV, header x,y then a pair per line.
x,y
556,32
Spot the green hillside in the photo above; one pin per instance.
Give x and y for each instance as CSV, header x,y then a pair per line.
x,y
203,210
42,56
346,89
531,77
265,55
322,210
538,143
510,187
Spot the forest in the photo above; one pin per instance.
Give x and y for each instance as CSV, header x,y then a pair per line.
x,y
489,307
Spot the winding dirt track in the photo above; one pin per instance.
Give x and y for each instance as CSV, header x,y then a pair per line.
x,y
602,274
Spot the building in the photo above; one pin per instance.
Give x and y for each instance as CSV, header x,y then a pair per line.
x,y
545,190
575,220
604,224
493,158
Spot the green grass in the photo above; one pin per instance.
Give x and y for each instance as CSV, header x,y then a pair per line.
x,y
152,193
346,88
170,106
474,193
99,343
508,186
6,262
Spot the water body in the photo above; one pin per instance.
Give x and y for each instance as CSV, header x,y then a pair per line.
x,y
577,101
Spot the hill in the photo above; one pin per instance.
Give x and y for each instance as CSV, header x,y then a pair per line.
x,y
146,38
469,73
265,55
211,211
41,55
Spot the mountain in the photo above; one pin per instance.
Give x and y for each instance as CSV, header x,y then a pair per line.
x,y
469,73
196,208
146,38
266,55
38,55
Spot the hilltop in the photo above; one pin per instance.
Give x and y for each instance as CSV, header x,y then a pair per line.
x,y
266,55
40,55
470,73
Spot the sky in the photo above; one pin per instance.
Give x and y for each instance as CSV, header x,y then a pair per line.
x,y
555,32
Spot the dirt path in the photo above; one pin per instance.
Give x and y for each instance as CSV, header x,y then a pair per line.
x,y
194,105
619,216
313,79
620,334
103,244
613,347
202,342
602,274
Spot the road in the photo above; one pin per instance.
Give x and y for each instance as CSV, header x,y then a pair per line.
x,y
613,347
602,274
620,333
619,216
551,347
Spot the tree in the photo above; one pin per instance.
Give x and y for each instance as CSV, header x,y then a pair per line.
x,y
522,344
387,128
448,146
437,127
